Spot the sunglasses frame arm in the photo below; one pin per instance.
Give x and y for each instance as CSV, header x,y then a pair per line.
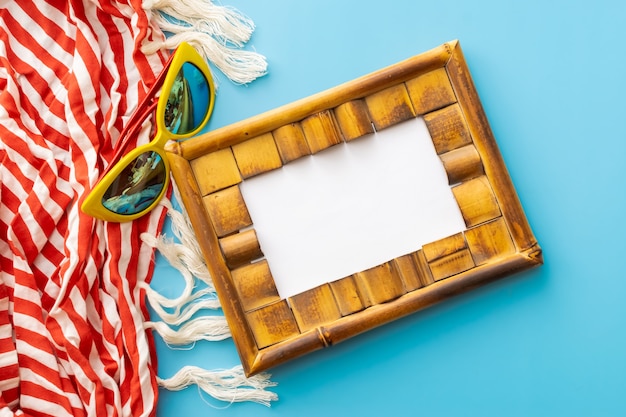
x,y
129,132
139,115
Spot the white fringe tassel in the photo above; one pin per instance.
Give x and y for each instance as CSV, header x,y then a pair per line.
x,y
224,23
226,385
180,314
185,256
211,328
187,259
217,32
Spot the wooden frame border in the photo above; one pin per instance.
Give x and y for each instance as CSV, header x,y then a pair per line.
x,y
435,85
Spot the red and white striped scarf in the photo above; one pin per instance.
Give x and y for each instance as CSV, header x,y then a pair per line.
x,y
72,340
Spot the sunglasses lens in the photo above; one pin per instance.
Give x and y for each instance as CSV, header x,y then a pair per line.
x,y
138,186
188,101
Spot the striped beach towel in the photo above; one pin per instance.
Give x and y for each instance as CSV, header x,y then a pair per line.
x,y
72,309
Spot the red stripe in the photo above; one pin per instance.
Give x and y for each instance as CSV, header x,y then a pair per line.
x,y
6,264
10,200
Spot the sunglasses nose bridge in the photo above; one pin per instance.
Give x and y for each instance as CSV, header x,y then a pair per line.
x,y
160,139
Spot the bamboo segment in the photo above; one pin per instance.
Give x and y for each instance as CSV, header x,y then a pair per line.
x,y
314,307
353,119
379,284
272,323
444,247
321,131
453,264
477,201
215,171
257,155
462,164
347,295
255,285
448,256
291,142
409,270
489,241
447,128
390,106
426,275
227,211
240,248
431,91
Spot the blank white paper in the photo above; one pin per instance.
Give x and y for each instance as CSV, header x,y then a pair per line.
x,y
351,207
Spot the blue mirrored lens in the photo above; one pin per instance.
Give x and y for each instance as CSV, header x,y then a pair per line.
x,y
188,100
138,186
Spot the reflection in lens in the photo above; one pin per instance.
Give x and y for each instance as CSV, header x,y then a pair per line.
x,y
137,186
188,100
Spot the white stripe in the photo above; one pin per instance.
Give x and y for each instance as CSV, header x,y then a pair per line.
x,y
6,330
87,89
50,407
12,183
9,383
7,359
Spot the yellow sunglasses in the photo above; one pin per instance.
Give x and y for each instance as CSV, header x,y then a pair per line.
x,y
136,180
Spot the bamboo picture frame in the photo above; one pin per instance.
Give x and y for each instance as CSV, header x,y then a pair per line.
x,y
435,85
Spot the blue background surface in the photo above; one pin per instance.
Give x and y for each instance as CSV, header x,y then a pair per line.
x,y
548,342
